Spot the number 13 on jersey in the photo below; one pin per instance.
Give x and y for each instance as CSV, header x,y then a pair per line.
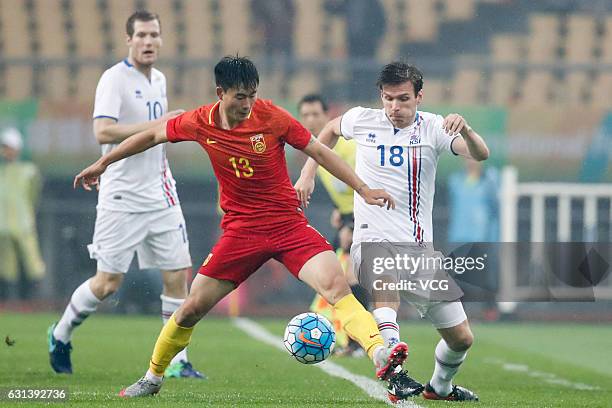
x,y
241,166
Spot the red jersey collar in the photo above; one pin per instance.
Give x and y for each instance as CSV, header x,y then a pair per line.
x,y
211,114
211,117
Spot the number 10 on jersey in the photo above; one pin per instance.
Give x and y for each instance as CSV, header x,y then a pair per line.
x,y
155,110
396,155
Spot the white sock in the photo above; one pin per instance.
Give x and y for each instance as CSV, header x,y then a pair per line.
x,y
447,365
82,303
376,356
153,378
169,306
386,318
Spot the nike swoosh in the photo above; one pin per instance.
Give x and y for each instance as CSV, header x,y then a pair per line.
x,y
374,335
210,141
305,340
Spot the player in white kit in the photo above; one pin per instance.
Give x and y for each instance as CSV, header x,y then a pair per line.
x,y
138,208
398,149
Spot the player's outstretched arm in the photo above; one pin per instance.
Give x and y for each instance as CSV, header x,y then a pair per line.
x,y
305,184
343,172
108,131
129,147
470,144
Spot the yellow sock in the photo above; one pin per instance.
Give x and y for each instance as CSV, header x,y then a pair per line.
x,y
358,324
172,339
321,306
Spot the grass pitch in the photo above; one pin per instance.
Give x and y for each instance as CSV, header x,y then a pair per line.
x,y
510,365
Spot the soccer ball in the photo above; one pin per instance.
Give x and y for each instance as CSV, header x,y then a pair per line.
x,y
310,338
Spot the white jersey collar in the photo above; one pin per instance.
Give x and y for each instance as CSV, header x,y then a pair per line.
x,y
385,119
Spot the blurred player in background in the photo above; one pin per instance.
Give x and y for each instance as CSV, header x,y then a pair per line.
x,y
474,200
138,207
398,147
314,116
244,138
19,191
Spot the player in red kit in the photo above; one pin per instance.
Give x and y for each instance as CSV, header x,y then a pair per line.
x,y
244,138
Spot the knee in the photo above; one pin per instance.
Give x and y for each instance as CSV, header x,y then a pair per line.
x,y
190,312
334,287
462,342
104,285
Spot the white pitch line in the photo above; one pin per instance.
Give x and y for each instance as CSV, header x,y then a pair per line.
x,y
543,376
373,388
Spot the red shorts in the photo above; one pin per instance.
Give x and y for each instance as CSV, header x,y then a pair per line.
x,y
238,254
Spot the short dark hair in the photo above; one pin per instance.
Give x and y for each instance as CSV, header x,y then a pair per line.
x,y
234,72
140,15
398,72
312,98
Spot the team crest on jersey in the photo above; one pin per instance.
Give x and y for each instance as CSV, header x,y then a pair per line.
x,y
415,138
371,138
259,143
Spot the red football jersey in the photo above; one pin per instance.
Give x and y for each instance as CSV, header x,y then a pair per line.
x,y
249,162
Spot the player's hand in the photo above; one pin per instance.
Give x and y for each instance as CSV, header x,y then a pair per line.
x,y
90,176
173,114
304,188
454,124
377,197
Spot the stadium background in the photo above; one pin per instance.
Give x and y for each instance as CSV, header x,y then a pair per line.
x,y
535,78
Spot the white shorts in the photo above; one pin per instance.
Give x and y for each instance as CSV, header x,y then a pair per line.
x,y
158,237
442,315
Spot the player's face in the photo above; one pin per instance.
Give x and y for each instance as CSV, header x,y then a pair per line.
x,y
145,43
400,103
313,117
237,102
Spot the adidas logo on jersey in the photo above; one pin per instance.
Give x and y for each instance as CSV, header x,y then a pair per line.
x,y
371,138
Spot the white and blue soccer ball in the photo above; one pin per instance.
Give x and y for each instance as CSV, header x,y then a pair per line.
x,y
310,338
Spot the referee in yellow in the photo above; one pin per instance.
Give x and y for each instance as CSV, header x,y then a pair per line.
x,y
20,186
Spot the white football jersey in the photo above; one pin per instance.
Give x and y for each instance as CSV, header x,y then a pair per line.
x,y
403,162
142,182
